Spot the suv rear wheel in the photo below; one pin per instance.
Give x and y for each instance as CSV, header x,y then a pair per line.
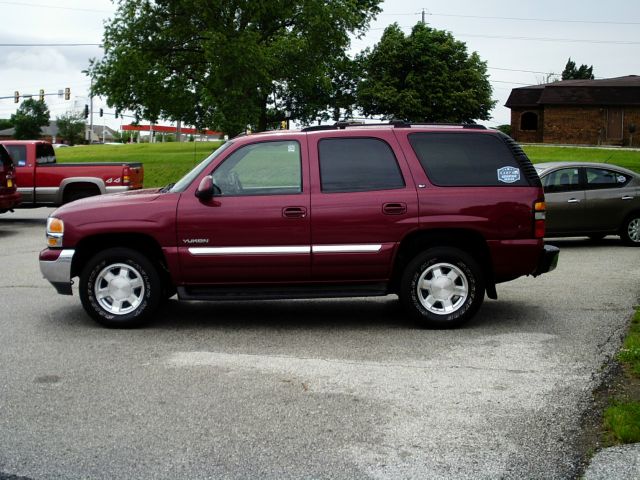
x,y
442,287
120,288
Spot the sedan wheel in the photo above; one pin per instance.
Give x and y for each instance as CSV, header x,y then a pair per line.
x,y
630,231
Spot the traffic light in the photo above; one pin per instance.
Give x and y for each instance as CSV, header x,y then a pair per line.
x,y
41,95
67,93
86,111
16,97
116,113
101,112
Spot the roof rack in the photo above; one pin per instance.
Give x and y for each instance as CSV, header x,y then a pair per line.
x,y
341,125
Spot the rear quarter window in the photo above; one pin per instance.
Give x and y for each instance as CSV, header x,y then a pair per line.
x,y
467,159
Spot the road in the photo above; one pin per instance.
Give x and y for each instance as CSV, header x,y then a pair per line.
x,y
306,389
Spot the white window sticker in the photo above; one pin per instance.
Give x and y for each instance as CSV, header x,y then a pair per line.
x,y
291,147
508,174
622,179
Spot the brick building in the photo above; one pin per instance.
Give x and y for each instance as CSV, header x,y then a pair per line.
x,y
588,112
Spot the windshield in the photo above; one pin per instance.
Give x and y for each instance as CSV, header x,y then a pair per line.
x,y
185,181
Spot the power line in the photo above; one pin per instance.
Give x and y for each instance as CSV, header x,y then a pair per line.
x,y
521,19
40,5
516,70
549,39
535,39
50,44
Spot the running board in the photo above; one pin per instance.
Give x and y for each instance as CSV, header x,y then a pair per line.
x,y
262,292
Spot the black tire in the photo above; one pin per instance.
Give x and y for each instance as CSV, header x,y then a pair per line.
x,y
458,295
79,193
130,283
630,230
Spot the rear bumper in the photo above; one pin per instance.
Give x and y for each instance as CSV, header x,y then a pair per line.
x,y
7,202
548,260
55,266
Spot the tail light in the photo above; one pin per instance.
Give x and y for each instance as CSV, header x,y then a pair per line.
x,y
540,215
125,176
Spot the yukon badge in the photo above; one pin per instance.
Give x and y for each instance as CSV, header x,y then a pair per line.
x,y
195,241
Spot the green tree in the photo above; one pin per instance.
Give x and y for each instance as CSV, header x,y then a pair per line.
x,y
425,76
226,64
71,127
583,72
29,118
5,123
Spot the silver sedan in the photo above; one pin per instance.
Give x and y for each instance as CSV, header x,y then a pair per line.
x,y
591,199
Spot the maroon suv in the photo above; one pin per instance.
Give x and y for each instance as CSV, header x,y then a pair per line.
x,y
435,214
9,196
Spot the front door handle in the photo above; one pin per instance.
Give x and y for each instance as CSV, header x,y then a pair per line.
x,y
294,212
627,197
573,200
394,208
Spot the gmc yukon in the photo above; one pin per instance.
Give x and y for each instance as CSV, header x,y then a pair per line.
x,y
435,214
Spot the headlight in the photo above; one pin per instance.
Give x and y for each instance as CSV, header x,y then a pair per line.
x,y
55,232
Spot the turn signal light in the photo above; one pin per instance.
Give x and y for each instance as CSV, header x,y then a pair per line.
x,y
55,232
540,215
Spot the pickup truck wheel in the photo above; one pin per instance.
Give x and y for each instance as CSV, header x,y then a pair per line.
x,y
120,288
630,231
74,194
442,287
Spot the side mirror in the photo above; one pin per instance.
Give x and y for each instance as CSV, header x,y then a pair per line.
x,y
207,189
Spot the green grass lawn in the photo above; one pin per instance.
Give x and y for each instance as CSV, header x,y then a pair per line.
x,y
624,158
166,162
623,417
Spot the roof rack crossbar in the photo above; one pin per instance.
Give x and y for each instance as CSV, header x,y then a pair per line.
x,y
343,124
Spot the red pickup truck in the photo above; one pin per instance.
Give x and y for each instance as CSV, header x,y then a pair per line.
x,y
435,214
9,196
44,182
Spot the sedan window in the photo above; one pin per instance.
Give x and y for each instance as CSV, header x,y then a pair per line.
x,y
563,180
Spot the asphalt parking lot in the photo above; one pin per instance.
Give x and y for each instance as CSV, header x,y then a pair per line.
x,y
306,389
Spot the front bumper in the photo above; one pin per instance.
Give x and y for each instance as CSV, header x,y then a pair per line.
x,y
55,266
548,260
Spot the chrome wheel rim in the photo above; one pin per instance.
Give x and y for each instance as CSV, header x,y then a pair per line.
x,y
119,289
633,230
442,288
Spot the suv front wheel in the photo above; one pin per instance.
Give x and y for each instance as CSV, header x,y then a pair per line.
x,y
442,287
120,288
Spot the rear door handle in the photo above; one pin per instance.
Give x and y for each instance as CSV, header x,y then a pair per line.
x,y
294,212
394,208
627,197
573,200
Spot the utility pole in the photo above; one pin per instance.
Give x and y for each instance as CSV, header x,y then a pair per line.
x,y
423,15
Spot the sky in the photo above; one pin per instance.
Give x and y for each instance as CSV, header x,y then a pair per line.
x,y
523,43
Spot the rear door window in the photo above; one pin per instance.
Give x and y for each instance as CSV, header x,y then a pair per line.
x,y
5,159
466,159
358,165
